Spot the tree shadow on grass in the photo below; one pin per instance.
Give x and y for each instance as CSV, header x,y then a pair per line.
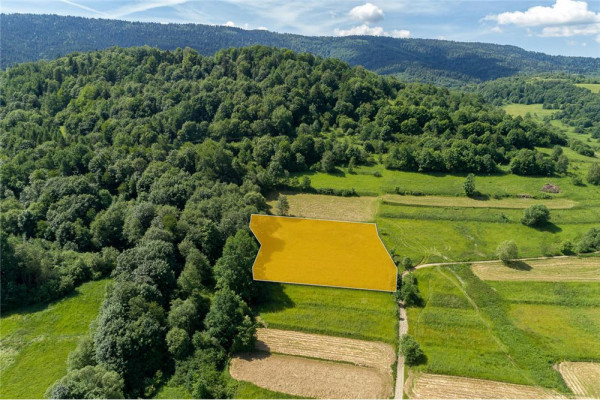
x,y
41,306
519,265
272,297
548,227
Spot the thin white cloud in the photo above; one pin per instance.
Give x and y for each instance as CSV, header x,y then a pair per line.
x,y
72,3
144,6
367,13
230,24
366,30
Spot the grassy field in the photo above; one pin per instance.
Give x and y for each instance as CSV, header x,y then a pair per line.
x,y
521,110
509,331
358,314
36,340
592,87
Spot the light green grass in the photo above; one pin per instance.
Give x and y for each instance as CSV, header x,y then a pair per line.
x,y
36,340
444,240
592,87
497,185
454,335
506,331
359,314
246,390
169,391
521,110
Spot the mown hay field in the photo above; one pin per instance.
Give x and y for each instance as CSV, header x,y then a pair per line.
x,y
357,209
321,252
582,378
359,314
592,87
308,377
36,340
432,386
551,270
448,201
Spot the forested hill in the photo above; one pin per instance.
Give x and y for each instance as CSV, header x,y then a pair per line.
x,y
28,37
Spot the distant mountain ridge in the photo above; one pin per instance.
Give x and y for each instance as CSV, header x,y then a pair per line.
x,y
30,37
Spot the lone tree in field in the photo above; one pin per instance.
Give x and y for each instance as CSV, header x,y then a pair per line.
x,y
507,251
469,185
536,215
410,349
593,175
282,207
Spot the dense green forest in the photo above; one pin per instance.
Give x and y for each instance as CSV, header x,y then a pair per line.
x,y
27,37
578,106
145,165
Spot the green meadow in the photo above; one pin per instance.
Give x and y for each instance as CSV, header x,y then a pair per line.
x,y
592,87
359,314
508,331
36,340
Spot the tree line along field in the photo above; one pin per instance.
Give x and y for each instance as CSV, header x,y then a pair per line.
x,y
508,331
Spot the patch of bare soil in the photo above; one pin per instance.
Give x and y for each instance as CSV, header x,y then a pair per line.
x,y
309,378
583,378
377,355
432,386
568,269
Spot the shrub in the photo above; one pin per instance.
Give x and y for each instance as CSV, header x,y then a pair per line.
x,y
507,251
590,242
469,185
593,175
535,215
407,263
91,382
283,206
410,349
567,247
409,291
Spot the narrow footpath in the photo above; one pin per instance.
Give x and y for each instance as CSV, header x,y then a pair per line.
x,y
402,330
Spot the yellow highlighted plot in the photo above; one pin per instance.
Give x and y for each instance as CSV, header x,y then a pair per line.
x,y
320,252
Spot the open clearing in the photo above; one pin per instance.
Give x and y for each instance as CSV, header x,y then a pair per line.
x,y
582,378
448,201
324,253
307,377
36,340
377,355
357,209
555,270
520,110
433,386
592,87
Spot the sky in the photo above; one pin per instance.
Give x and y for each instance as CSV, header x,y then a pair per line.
x,y
564,27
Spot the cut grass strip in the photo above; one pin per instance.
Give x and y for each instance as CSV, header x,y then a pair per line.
x,y
448,201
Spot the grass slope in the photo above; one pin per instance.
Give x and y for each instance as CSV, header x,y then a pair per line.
x,y
358,314
36,340
508,331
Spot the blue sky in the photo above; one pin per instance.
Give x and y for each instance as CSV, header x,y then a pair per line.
x,y
567,27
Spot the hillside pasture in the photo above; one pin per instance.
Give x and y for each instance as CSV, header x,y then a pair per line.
x,y
592,87
529,326
357,209
36,340
535,110
552,270
358,314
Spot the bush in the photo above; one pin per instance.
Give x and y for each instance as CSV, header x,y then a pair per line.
x,y
179,343
469,185
411,350
567,247
507,251
409,291
407,263
536,215
593,175
590,242
91,382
